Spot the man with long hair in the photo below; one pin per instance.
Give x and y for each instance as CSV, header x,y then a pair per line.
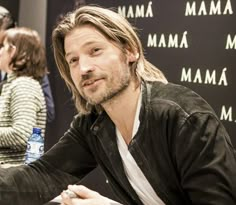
x,y
156,142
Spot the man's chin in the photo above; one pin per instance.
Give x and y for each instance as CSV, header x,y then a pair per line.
x,y
93,101
98,101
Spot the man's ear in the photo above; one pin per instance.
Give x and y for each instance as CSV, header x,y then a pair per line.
x,y
132,56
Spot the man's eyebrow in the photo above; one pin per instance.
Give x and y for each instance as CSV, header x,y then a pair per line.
x,y
84,45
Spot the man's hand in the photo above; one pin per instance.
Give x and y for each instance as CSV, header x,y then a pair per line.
x,y
85,196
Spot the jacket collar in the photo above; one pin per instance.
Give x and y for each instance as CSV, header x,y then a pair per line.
x,y
103,120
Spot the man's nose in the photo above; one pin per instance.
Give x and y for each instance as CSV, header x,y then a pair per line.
x,y
85,65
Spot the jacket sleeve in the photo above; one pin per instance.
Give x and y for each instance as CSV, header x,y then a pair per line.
x,y
206,161
65,163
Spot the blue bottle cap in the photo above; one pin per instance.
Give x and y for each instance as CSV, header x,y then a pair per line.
x,y
37,130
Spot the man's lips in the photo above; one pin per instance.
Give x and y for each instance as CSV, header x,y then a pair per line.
x,y
90,82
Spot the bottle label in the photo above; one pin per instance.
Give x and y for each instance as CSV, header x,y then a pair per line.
x,y
34,151
35,147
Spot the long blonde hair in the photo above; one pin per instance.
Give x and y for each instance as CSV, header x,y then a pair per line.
x,y
117,29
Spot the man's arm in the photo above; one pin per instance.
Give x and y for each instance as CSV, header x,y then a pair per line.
x,y
65,163
206,161
34,184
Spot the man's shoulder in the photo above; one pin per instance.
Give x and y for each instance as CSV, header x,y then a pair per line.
x,y
85,120
171,91
179,96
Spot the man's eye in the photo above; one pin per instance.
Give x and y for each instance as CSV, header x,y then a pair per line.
x,y
73,60
96,50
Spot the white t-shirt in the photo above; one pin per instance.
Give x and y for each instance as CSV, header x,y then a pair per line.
x,y
134,174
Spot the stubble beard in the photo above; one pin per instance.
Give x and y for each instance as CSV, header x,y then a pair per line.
x,y
111,92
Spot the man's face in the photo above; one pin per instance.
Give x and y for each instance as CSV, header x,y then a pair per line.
x,y
98,68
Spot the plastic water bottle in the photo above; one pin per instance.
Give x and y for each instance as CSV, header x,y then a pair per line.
x,y
35,146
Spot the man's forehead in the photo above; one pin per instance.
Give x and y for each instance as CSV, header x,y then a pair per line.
x,y
82,39
84,36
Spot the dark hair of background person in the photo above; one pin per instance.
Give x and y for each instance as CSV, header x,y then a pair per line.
x,y
29,58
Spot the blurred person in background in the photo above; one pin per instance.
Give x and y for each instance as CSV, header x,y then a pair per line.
x,y
7,21
22,102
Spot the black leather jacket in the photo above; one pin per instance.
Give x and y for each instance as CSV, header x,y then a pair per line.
x,y
181,147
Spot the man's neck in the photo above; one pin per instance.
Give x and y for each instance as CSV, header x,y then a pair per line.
x,y
122,110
